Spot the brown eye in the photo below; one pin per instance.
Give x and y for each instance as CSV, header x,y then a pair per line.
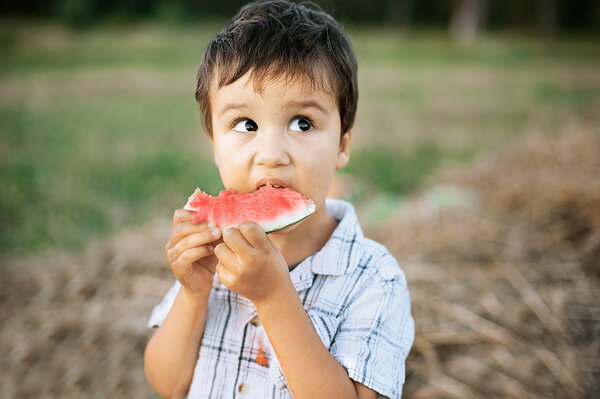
x,y
245,126
300,125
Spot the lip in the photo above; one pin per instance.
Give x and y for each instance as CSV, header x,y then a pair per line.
x,y
270,181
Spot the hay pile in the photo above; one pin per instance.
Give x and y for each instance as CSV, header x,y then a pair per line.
x,y
75,326
504,287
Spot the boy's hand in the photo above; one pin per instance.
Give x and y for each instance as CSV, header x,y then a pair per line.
x,y
251,264
190,252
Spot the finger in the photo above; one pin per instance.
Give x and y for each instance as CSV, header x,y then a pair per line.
x,y
255,236
182,216
236,241
182,266
195,240
186,229
227,257
224,274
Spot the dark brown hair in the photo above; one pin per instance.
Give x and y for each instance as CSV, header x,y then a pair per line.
x,y
274,39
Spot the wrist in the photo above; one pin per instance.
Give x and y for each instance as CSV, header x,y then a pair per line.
x,y
195,297
277,298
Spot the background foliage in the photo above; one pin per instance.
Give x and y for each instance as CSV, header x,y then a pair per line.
x,y
530,15
100,129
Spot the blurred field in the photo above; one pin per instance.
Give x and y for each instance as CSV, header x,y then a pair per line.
x,y
99,128
476,165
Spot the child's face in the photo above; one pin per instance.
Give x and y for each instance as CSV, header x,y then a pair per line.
x,y
288,135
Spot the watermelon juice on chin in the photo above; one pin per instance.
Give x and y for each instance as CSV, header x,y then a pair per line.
x,y
271,208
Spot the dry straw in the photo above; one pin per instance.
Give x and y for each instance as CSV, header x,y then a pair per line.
x,y
504,290
505,287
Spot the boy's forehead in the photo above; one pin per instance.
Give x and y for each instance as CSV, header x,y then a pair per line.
x,y
268,85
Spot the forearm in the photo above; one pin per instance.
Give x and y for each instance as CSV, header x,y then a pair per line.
x,y
172,351
310,370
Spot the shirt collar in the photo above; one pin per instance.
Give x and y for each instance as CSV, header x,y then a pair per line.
x,y
339,255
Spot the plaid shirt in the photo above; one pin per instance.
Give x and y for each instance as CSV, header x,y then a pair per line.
x,y
356,298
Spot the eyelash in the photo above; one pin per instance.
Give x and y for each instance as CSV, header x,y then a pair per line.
x,y
243,118
237,120
306,118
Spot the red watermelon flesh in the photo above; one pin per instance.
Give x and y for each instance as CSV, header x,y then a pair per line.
x,y
272,208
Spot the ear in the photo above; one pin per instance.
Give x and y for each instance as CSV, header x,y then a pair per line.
x,y
344,151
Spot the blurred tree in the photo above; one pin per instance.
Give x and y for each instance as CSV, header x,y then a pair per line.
x,y
399,13
77,14
467,18
463,18
547,18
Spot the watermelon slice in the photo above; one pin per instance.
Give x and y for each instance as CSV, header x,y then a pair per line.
x,y
272,208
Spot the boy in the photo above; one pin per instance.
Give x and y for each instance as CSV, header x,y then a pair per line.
x,y
315,310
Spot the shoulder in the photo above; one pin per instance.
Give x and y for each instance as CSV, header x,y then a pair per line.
x,y
378,261
373,281
375,328
350,253
375,254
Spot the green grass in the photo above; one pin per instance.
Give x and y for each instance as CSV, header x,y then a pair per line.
x,y
99,129
393,170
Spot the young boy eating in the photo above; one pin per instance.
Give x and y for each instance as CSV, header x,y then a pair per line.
x,y
315,310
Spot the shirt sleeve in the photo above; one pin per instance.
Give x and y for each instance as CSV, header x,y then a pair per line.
x,y
159,313
376,333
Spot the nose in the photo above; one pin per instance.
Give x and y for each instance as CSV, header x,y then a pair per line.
x,y
271,149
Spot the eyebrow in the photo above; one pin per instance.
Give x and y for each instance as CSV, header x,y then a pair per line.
x,y
233,106
308,104
297,104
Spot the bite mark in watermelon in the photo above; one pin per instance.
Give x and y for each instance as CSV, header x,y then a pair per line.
x,y
272,208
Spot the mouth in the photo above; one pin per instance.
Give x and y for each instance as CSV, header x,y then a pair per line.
x,y
273,183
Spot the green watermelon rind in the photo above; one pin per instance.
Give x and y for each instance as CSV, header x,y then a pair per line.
x,y
277,225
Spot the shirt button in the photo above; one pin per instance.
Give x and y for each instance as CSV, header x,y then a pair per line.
x,y
255,321
244,389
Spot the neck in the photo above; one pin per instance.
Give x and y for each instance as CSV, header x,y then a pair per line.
x,y
306,238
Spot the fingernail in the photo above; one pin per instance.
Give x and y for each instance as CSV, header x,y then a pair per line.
x,y
210,247
212,224
216,232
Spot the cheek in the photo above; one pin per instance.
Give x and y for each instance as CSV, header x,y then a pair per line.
x,y
322,168
226,160
228,166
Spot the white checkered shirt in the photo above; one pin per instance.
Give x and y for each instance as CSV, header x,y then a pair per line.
x,y
356,298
